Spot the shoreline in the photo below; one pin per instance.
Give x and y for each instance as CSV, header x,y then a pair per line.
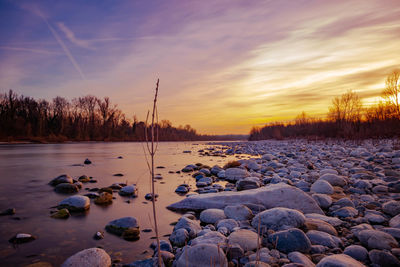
x,y
340,205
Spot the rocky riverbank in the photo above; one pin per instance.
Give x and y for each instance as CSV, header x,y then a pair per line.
x,y
293,203
281,203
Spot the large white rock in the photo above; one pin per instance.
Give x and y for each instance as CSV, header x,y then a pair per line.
x,y
276,195
89,257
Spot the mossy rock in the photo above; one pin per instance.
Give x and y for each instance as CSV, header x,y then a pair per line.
x,y
106,189
61,214
104,199
84,179
131,234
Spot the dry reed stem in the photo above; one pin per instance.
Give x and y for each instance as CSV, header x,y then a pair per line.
x,y
152,151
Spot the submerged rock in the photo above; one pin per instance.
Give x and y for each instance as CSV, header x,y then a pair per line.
x,y
61,214
66,188
129,190
75,203
127,227
89,257
10,211
103,199
276,195
21,238
63,178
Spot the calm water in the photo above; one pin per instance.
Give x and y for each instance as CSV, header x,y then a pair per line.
x,y
25,171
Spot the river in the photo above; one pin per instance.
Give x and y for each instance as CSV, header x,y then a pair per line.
x,y
26,169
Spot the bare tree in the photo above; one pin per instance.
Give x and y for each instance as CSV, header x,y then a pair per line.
x,y
392,90
346,108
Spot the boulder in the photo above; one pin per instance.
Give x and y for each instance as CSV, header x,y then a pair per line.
x,y
209,238
179,237
89,257
300,258
323,239
290,240
129,190
22,238
391,207
202,255
127,227
322,187
63,178
212,215
331,220
339,260
278,219
182,189
377,239
103,199
383,258
66,188
229,224
334,179
345,212
235,174
276,195
238,212
357,252
323,200
395,221
256,264
61,214
75,203
320,225
248,183
83,179
191,226
246,239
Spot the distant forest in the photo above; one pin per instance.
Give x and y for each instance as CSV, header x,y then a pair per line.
x,y
347,118
85,118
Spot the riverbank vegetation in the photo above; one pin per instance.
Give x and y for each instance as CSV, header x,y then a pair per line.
x,y
86,118
346,118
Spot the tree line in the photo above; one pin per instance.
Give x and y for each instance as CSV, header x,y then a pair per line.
x,y
86,118
346,118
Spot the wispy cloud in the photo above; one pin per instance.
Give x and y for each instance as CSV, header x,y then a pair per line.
x,y
35,10
72,38
32,50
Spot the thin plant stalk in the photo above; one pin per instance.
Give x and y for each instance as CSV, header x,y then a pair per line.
x,y
152,148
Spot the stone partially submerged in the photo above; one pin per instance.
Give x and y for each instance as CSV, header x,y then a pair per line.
x,y
276,195
89,257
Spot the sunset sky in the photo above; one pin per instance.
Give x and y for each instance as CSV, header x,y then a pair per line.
x,y
224,66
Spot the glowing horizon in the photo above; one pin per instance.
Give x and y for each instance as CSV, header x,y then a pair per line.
x,y
224,66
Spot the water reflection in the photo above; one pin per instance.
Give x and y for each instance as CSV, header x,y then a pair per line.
x,y
25,171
